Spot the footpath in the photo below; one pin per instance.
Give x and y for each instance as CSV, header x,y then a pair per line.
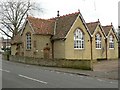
x,y
103,69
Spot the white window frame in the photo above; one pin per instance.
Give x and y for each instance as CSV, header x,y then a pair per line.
x,y
28,41
111,42
98,41
78,39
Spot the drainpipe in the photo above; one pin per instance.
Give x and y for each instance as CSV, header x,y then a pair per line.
x,y
52,49
91,48
106,46
91,53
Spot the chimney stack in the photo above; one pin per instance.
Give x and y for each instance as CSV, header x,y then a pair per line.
x,y
58,13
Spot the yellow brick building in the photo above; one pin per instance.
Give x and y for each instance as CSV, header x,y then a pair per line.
x,y
65,37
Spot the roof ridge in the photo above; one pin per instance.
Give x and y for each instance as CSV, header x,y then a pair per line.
x,y
64,15
37,18
107,26
92,22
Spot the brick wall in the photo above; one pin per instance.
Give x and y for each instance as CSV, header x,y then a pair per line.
x,y
79,64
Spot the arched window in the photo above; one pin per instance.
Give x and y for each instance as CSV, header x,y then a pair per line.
x,y
78,39
28,40
98,41
111,42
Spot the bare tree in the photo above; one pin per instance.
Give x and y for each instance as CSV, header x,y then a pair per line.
x,y
13,14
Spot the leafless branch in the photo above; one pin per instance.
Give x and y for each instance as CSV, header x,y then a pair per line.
x,y
13,14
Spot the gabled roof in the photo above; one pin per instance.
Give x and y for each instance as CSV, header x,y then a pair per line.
x,y
41,26
92,26
107,29
63,24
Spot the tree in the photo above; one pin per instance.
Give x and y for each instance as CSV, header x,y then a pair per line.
x,y
13,14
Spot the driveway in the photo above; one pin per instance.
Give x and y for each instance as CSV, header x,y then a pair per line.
x,y
106,66
109,68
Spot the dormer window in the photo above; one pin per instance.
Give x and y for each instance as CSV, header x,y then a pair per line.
x,y
111,42
98,41
28,41
78,39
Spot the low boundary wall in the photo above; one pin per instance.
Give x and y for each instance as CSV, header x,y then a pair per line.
x,y
66,63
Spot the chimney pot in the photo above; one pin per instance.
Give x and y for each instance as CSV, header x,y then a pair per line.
x,y
58,13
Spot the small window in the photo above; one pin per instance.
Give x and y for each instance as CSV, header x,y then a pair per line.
x,y
98,41
78,39
28,41
111,42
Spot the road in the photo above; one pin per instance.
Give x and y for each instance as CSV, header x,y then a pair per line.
x,y
17,75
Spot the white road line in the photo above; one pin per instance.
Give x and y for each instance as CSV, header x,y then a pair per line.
x,y
57,72
100,80
51,71
4,70
71,74
64,73
111,82
81,76
32,79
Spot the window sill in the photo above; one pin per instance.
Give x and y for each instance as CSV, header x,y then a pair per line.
x,y
98,48
78,48
111,48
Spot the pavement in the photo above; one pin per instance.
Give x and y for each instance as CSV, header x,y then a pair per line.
x,y
103,69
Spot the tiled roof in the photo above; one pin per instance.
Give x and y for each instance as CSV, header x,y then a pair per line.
x,y
46,26
41,26
107,29
92,26
63,24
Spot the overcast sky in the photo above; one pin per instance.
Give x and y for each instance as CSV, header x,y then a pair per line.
x,y
92,10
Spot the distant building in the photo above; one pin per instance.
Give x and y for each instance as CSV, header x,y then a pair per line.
x,y
4,43
1,39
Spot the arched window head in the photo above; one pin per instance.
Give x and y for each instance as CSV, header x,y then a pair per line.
x,y
111,42
78,39
98,41
28,41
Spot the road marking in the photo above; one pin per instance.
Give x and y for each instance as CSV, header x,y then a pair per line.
x,y
111,82
4,70
89,78
32,79
100,80
81,76
64,73
57,72
71,75
51,71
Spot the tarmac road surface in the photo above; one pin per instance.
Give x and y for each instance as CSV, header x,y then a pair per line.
x,y
17,75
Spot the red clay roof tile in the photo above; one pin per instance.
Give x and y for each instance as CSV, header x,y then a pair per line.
x,y
42,26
